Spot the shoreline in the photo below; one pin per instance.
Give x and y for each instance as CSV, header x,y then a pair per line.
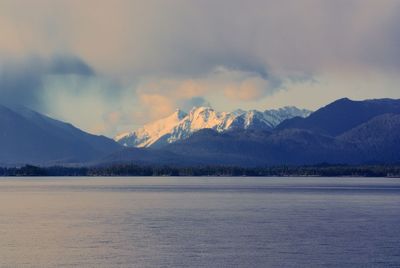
x,y
131,170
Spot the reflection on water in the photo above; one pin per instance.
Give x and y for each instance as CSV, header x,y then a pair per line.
x,y
200,222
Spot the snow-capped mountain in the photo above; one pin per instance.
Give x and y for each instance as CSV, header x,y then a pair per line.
x,y
181,125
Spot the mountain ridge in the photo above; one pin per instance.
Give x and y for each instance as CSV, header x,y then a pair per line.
x,y
342,115
342,132
181,125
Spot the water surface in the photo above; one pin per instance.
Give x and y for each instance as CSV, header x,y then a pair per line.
x,y
199,222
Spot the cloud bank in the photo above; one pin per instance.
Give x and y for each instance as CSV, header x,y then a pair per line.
x,y
113,65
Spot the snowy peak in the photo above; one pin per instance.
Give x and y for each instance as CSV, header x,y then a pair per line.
x,y
150,133
181,125
204,117
276,116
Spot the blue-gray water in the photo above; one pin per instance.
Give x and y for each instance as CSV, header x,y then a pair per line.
x,y
200,222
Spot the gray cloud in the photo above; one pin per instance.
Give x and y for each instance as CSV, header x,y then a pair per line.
x,y
150,56
22,81
190,38
187,105
62,64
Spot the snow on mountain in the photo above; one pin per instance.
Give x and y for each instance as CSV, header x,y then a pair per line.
x,y
181,125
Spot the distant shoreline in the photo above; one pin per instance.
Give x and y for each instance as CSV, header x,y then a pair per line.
x,y
131,170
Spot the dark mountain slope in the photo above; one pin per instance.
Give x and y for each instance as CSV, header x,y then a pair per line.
x,y
29,137
342,115
188,154
143,156
292,146
377,140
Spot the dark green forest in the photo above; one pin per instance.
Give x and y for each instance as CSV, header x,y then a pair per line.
x,y
278,171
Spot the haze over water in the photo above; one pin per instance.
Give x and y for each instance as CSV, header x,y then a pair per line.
x,y
200,222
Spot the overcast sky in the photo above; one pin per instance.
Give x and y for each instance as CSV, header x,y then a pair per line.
x,y
109,66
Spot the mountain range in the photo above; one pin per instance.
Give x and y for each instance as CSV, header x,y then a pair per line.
x,y
181,125
342,132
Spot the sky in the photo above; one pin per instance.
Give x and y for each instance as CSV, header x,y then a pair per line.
x,y
111,66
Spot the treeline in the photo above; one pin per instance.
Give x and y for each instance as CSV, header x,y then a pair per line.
x,y
135,170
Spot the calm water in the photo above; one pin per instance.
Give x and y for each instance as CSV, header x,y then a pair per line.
x,y
200,222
